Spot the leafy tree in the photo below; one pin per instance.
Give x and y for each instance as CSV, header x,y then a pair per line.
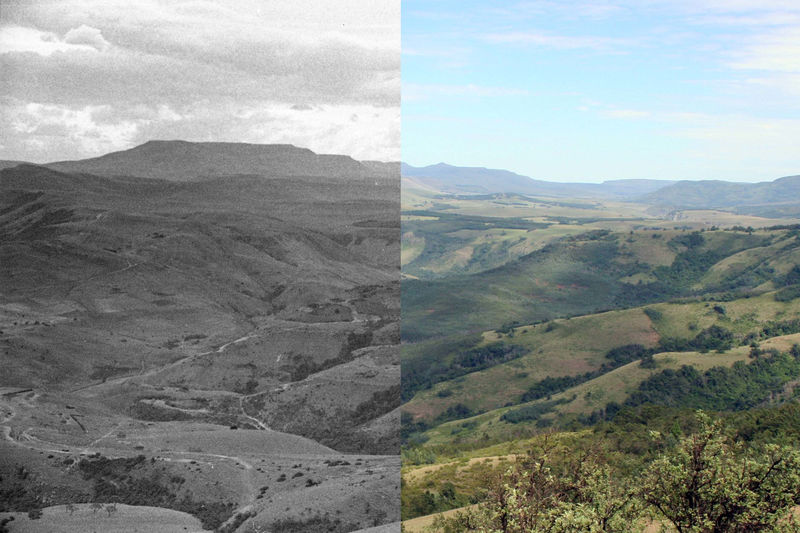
x,y
648,361
708,485
705,483
535,496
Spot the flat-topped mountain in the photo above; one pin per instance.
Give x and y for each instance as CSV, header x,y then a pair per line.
x,y
192,161
480,180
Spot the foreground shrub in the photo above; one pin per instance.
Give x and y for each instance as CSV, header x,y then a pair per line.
x,y
706,483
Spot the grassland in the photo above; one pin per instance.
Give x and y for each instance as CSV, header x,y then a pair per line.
x,y
595,271
569,347
614,386
554,336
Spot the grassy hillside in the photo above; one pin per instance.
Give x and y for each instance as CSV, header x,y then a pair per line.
x,y
596,271
778,196
582,364
454,476
578,338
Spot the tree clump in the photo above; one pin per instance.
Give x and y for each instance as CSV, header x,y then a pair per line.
x,y
707,483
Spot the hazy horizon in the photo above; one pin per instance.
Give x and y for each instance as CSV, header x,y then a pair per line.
x,y
600,179
590,180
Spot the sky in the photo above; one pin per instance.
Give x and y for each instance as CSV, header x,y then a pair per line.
x,y
604,89
80,78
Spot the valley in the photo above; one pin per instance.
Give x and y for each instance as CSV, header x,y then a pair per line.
x,y
209,328
569,320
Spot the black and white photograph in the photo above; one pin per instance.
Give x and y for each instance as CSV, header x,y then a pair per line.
x,y
199,266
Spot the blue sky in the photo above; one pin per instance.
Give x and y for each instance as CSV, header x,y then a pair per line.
x,y
594,90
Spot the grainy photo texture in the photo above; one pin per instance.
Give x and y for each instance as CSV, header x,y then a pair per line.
x,y
199,266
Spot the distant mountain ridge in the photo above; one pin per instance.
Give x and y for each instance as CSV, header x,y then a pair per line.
x,y
777,198
717,194
480,180
183,161
193,161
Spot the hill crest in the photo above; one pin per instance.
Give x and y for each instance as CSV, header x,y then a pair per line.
x,y
177,160
453,179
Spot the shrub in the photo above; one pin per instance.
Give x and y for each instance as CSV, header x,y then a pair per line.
x,y
707,485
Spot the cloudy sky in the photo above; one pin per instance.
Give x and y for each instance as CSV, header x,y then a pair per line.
x,y
588,90
80,78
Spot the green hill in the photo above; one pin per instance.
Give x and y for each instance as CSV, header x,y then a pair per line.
x,y
599,270
766,198
583,330
553,357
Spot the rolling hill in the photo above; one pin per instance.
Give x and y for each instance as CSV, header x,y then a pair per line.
x,y
777,198
769,198
597,270
207,325
575,327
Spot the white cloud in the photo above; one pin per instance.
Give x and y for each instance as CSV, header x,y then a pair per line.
x,y
86,35
788,84
185,69
37,128
18,39
768,19
704,7
733,6
729,142
363,131
48,132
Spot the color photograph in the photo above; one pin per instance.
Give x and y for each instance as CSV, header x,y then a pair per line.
x,y
601,250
